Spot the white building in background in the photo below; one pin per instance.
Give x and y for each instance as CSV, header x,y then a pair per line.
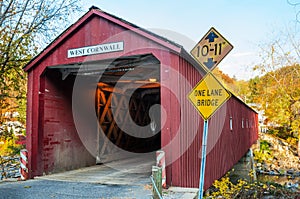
x,y
261,116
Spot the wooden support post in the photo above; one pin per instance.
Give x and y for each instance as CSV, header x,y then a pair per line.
x,y
156,173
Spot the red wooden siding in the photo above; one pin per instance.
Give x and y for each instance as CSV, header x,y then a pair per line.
x,y
225,147
185,170
61,148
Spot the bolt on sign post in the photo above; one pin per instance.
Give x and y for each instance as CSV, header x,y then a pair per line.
x,y
209,94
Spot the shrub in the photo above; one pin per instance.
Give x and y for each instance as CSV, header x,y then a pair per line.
x,y
264,153
224,188
9,147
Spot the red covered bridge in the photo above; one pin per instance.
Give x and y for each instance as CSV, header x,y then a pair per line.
x,y
106,89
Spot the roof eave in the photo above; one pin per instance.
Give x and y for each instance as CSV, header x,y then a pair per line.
x,y
98,12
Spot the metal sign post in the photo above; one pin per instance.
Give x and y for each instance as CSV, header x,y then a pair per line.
x,y
203,159
209,94
207,97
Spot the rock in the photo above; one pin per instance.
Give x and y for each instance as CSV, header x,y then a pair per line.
x,y
268,197
290,185
258,165
282,171
272,172
290,171
11,169
272,166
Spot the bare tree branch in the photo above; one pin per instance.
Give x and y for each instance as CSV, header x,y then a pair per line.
x,y
6,53
25,27
5,12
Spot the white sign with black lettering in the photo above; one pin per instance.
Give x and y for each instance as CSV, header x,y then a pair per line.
x,y
98,49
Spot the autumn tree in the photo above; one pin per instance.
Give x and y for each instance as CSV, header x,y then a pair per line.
x,y
296,5
237,87
26,26
277,90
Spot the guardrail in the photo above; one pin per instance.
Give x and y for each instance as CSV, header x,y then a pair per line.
x,y
155,188
156,180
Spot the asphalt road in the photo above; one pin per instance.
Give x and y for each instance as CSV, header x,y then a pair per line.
x,y
44,189
122,179
127,178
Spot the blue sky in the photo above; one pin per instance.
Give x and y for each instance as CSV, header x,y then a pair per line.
x,y
246,24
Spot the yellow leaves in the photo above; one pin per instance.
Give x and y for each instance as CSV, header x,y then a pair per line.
x,y
227,189
9,147
265,186
276,91
256,67
224,188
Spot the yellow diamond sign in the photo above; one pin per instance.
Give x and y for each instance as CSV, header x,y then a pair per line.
x,y
211,49
208,95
